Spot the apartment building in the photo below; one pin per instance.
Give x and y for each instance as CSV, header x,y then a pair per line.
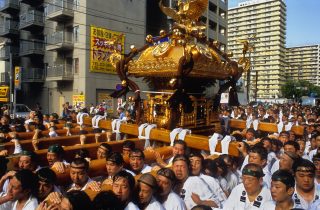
x,y
52,41
263,23
303,63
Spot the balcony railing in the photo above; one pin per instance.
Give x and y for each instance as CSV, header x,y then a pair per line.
x,y
6,50
59,40
59,72
31,47
33,75
9,6
32,20
8,27
32,2
59,10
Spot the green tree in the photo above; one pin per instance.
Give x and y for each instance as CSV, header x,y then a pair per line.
x,y
296,89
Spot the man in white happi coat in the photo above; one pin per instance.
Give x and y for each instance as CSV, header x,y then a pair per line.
x,y
282,189
306,192
137,163
251,194
196,163
192,189
147,187
259,155
169,199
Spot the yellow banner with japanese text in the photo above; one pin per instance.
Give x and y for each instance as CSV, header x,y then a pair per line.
x,y
101,49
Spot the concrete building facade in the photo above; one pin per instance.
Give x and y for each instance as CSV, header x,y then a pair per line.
x,y
303,63
263,23
51,40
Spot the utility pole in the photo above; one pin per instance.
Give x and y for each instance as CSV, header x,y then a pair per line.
x,y
11,83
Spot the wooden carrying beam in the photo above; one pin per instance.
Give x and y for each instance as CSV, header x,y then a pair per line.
x,y
193,141
44,143
266,127
97,167
61,132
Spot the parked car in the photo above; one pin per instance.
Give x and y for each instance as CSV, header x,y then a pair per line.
x,y
22,110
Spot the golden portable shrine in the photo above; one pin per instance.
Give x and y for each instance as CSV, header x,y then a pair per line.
x,y
178,65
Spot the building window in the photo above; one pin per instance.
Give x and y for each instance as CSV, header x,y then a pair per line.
x,y
76,65
212,7
76,4
76,33
212,25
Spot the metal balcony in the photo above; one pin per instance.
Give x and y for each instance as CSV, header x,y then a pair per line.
x,y
60,72
6,50
32,2
9,6
31,48
8,27
32,21
59,41
59,10
33,75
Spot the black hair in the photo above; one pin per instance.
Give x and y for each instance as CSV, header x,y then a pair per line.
x,y
221,164
107,200
181,157
28,180
116,158
80,161
3,165
263,153
128,144
47,175
179,141
79,200
294,144
126,175
211,166
304,163
107,146
82,153
136,150
285,177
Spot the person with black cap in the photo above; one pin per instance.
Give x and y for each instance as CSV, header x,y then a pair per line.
x,y
282,189
305,192
169,199
55,158
147,188
47,179
252,194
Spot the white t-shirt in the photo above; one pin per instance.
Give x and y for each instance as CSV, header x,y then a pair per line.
x,y
238,199
174,202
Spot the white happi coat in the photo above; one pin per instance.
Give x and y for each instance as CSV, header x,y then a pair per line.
x,y
238,199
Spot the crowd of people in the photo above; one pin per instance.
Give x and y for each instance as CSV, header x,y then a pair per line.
x,y
273,171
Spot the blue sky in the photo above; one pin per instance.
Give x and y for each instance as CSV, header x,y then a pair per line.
x,y
303,21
